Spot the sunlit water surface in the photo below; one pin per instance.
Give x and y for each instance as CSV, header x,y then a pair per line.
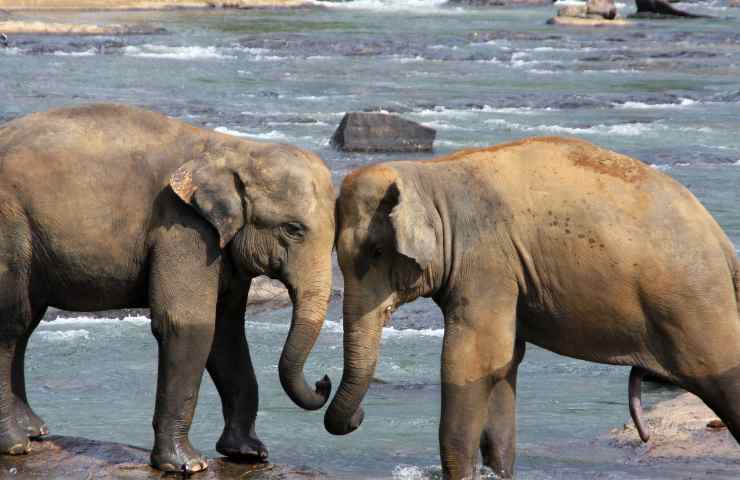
x,y
667,92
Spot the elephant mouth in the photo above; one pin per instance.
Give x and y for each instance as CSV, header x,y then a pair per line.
x,y
387,315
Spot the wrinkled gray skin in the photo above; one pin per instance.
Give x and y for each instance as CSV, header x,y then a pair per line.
x,y
106,206
552,241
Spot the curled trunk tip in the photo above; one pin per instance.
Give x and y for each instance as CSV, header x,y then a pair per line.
x,y
309,310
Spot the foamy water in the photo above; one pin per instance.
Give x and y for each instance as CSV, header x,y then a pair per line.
x,y
176,53
391,6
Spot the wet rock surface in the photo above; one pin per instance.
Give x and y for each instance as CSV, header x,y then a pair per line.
x,y
593,13
682,430
59,457
381,132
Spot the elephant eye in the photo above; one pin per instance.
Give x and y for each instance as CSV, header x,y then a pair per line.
x,y
377,251
294,230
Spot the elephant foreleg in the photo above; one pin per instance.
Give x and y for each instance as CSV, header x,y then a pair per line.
x,y
183,322
498,440
478,354
230,367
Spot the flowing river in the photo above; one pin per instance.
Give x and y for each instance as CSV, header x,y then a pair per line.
x,y
667,92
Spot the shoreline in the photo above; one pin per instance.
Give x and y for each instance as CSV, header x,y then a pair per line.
x,y
40,6
682,431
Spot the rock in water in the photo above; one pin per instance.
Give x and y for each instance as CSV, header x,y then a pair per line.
x,y
593,13
647,8
381,132
597,9
69,457
602,8
576,11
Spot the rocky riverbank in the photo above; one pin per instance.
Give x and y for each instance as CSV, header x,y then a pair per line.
x,y
264,294
34,5
39,27
683,430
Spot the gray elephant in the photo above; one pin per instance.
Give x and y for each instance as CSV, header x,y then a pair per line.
x,y
552,241
106,206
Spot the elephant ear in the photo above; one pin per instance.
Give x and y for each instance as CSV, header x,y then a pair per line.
x,y
414,232
212,191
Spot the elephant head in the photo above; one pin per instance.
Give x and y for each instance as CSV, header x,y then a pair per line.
x,y
388,249
273,209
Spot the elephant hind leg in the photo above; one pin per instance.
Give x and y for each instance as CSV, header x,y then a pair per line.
x,y
230,367
721,393
705,360
34,426
13,438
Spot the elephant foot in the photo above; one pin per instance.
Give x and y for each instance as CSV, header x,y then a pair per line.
x,y
178,456
242,446
13,439
27,420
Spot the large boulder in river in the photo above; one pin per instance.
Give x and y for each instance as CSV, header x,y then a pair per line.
x,y
661,8
381,132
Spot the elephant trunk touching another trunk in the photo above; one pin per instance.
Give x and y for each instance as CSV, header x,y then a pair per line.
x,y
362,333
310,302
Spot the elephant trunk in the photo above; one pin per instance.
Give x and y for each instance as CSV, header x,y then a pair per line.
x,y
362,334
310,301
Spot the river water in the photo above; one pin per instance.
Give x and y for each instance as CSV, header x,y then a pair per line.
x,y
667,92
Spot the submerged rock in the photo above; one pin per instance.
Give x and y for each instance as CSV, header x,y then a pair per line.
x,y
70,457
381,132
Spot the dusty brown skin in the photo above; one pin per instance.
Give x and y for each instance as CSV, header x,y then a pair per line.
x,y
107,206
553,241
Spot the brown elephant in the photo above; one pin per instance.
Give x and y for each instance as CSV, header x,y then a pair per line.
x,y
107,206
552,241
